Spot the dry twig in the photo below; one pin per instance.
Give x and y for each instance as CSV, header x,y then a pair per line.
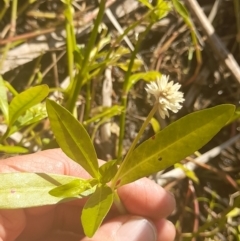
x,y
217,46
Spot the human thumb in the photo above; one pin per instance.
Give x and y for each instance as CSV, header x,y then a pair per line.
x,y
125,228
137,229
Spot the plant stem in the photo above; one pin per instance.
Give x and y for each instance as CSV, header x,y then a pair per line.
x,y
236,5
143,127
125,93
10,88
77,84
4,9
5,135
120,38
71,41
119,204
88,100
11,32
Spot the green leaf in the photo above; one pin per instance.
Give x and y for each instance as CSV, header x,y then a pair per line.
x,y
121,50
32,115
180,8
102,43
155,125
147,76
183,12
162,9
173,143
108,170
72,137
72,189
189,173
26,100
104,112
96,209
235,212
78,55
22,190
146,3
13,149
52,144
136,65
3,99
236,116
101,60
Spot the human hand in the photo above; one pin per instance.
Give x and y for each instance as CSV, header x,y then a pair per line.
x,y
146,202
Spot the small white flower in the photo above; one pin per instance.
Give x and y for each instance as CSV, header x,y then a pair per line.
x,y
166,94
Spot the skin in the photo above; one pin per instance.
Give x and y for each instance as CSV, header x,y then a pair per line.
x,y
61,222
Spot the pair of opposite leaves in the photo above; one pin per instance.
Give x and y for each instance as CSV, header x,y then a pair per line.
x,y
169,146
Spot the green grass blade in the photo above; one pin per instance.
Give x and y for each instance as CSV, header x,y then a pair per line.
x,y
13,149
72,138
174,143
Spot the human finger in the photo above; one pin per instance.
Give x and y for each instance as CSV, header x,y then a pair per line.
x,y
48,161
142,197
146,198
12,223
126,228
134,228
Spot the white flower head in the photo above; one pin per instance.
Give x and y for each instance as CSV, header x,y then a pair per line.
x,y
166,94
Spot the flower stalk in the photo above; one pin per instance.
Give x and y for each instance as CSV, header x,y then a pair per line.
x,y
167,97
143,127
